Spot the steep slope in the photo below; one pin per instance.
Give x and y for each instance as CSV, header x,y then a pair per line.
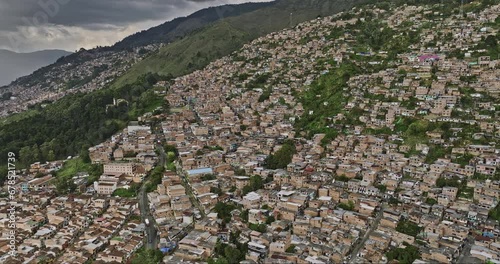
x,y
167,32
225,36
89,70
80,120
179,27
190,53
14,65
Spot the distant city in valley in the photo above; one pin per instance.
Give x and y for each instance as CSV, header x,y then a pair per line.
x,y
14,65
311,131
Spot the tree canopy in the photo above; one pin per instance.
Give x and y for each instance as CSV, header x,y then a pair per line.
x,y
255,183
147,256
405,255
281,158
408,227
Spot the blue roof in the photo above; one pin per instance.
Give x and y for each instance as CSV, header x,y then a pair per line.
x,y
488,234
200,171
165,250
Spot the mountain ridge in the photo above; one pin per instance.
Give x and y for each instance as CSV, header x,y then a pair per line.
x,y
164,33
273,18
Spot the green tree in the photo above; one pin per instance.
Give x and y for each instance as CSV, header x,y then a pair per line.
x,y
418,127
216,190
208,177
233,255
65,185
26,156
244,215
382,188
408,227
224,210
255,183
435,152
290,249
393,201
36,153
6,96
329,87
405,255
84,155
155,178
77,120
281,158
375,34
450,182
270,219
495,213
51,155
3,171
128,193
346,206
246,189
148,256
258,227
430,201
44,151
240,172
342,178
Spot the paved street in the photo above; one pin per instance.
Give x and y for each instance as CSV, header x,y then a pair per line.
x,y
373,227
464,257
151,232
189,190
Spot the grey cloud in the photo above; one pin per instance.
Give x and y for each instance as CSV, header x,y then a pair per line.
x,y
88,13
62,23
14,13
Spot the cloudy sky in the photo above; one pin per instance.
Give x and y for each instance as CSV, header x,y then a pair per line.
x,y
30,25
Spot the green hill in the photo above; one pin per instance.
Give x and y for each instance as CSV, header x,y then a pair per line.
x,y
223,37
190,53
179,27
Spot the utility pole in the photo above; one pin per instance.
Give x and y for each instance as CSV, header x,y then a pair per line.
x,y
291,20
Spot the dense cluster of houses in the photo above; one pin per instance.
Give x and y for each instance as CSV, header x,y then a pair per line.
x,y
68,78
72,229
90,226
127,157
220,122
373,188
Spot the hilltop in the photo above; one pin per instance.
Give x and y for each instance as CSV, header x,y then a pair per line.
x,y
180,27
221,38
